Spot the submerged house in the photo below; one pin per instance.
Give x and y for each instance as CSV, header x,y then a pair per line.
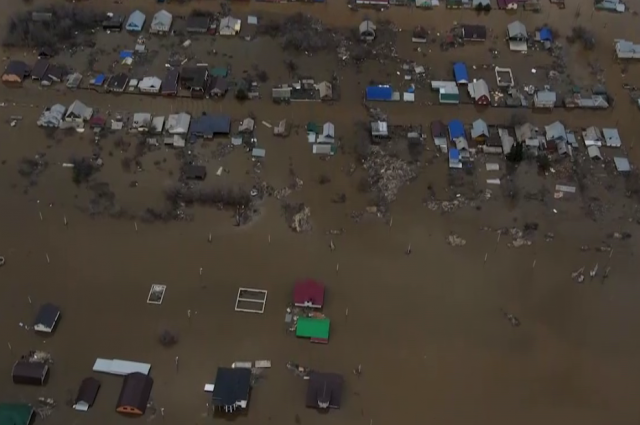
x,y
135,394
627,50
15,73
545,99
479,92
367,30
324,391
136,21
479,131
439,134
460,73
207,126
448,91
78,112
517,35
161,22
230,26
231,389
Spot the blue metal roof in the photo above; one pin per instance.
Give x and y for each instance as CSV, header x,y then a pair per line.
x,y
208,125
454,154
456,129
379,93
545,34
126,54
460,72
99,80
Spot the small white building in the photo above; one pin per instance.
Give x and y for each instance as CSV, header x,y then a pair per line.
x,y
178,123
545,99
150,85
141,121
611,137
230,26
627,50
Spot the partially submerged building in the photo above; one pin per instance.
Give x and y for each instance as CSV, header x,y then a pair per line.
x,y
517,36
479,92
135,22
16,414
479,131
113,23
150,85
195,79
87,394
117,83
39,70
627,50
47,318
231,389
134,394
460,73
198,24
308,293
448,92
78,112
474,32
15,73
207,126
178,123
161,22
324,390
439,133
52,117
367,30
612,137
230,26
545,99
141,121
169,85
26,372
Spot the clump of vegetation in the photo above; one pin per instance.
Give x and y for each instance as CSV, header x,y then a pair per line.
x,y
167,339
516,154
227,197
544,163
83,169
56,25
582,35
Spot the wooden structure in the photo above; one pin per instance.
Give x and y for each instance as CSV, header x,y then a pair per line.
x,y
135,394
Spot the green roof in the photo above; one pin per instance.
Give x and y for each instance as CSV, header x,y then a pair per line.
x,y
15,413
309,327
314,128
219,71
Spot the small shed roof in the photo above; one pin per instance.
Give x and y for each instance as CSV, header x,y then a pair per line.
x,y
47,317
517,29
232,386
460,72
622,164
479,128
594,152
612,137
87,393
367,26
478,89
456,129
308,292
136,21
135,393
546,34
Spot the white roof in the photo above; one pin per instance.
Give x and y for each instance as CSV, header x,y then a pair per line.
x,y
622,164
178,123
594,152
141,119
516,29
80,110
479,128
479,88
611,137
120,367
136,20
162,20
149,83
52,117
157,124
230,23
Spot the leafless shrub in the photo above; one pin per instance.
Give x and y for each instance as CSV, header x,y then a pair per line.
x,y
227,197
64,27
582,35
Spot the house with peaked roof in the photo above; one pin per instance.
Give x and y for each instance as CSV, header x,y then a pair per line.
x,y
324,390
367,30
136,21
231,389
161,22
517,36
479,131
479,92
78,112
460,73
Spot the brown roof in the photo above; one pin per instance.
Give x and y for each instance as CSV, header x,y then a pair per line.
x,y
19,68
324,390
438,129
135,393
88,391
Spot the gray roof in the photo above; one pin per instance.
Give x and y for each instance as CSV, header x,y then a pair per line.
x,y
136,21
622,164
479,128
328,130
367,26
482,2
79,110
162,21
52,117
546,96
611,137
178,123
556,131
594,152
516,29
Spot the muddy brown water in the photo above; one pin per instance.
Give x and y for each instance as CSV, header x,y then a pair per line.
x,y
427,328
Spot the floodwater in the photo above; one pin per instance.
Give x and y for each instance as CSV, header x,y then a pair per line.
x,y
427,328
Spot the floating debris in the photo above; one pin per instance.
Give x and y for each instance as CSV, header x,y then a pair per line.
x,y
455,240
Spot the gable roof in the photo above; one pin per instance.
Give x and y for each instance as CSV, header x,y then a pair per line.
x,y
516,29
231,386
479,128
135,392
456,129
162,20
136,21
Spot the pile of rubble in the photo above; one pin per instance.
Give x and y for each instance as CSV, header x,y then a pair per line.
x,y
387,174
298,217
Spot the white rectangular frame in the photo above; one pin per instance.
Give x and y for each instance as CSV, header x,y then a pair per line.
x,y
153,289
262,304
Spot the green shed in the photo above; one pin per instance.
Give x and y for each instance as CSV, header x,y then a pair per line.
x,y
15,414
316,329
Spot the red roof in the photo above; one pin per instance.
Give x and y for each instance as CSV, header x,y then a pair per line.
x,y
309,293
